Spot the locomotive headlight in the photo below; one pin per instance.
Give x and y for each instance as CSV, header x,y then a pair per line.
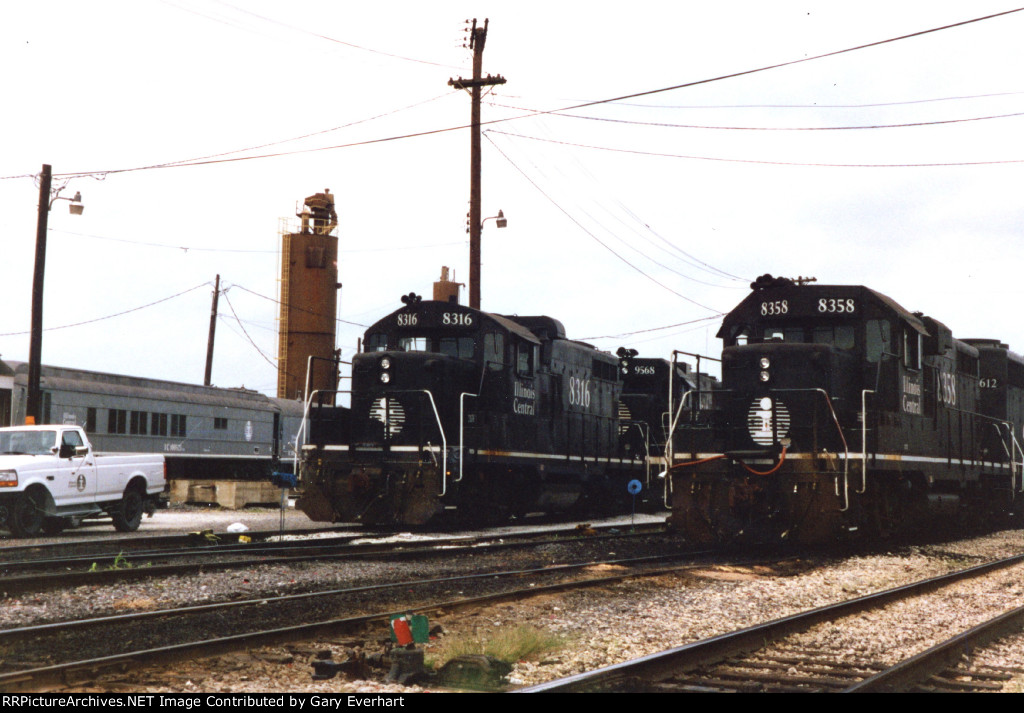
x,y
385,363
765,376
765,362
385,377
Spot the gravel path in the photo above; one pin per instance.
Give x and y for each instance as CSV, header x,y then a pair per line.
x,y
600,626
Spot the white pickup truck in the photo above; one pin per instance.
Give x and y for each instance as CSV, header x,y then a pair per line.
x,y
50,476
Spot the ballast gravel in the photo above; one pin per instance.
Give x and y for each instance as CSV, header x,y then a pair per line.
x,y
598,626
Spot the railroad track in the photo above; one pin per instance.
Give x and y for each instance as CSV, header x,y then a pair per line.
x,y
763,658
29,663
107,567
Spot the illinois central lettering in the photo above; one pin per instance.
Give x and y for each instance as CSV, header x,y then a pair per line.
x,y
525,401
911,396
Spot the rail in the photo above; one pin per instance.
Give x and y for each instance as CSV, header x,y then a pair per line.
x,y
663,664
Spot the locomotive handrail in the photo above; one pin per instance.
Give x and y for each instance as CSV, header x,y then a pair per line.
x,y
673,422
645,432
669,450
1011,453
462,440
842,436
440,428
1016,444
864,440
305,420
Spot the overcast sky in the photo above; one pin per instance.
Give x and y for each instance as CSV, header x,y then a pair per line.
x,y
897,166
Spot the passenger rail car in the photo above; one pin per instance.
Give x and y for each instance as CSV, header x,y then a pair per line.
x,y
204,432
458,412
842,411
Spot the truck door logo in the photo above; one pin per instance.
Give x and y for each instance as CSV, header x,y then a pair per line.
x,y
80,483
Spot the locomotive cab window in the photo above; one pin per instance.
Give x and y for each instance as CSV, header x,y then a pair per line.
x,y
494,351
461,347
376,343
740,336
877,339
783,334
841,337
413,344
525,358
911,349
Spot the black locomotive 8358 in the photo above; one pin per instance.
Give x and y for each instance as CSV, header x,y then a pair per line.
x,y
460,412
842,411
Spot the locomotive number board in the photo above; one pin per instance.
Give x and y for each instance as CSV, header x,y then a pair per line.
x,y
448,317
804,306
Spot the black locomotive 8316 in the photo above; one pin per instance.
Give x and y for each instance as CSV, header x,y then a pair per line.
x,y
480,416
842,411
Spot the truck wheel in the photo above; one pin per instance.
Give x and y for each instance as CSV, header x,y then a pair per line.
x,y
128,515
26,518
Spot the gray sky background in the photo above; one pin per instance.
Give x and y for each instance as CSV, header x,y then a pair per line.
x,y
897,166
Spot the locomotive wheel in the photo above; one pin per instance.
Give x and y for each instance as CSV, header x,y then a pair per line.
x,y
128,514
26,517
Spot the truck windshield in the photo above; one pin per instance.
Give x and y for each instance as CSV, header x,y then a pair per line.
x,y
36,443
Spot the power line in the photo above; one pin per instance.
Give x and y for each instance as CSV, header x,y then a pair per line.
x,y
658,124
337,41
591,234
641,232
758,161
111,316
192,248
871,105
790,63
657,329
553,111
315,133
183,248
242,327
301,309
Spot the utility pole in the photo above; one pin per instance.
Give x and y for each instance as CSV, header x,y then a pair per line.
x,y
213,330
34,397
477,39
33,405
